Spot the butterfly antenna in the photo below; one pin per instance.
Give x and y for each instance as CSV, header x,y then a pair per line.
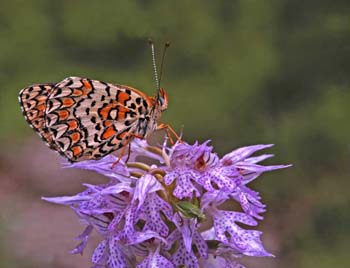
x,y
150,41
166,45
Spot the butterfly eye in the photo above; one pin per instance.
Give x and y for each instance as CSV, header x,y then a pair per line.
x,y
162,99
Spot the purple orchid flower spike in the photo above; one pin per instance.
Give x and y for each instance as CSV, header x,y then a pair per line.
x,y
152,212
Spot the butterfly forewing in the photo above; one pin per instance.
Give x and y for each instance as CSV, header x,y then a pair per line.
x,y
88,119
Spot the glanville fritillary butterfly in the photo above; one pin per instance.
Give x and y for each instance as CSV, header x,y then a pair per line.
x,y
84,119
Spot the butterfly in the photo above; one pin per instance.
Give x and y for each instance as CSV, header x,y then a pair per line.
x,y
84,119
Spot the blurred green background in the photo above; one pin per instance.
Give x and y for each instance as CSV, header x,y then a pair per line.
x,y
237,72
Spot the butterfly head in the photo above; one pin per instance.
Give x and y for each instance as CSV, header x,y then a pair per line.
x,y
162,99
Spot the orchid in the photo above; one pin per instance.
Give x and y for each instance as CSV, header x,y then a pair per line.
x,y
161,208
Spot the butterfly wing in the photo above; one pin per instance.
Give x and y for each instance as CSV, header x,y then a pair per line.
x,y
33,103
88,119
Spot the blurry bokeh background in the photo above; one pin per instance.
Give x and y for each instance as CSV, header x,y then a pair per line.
x,y
237,72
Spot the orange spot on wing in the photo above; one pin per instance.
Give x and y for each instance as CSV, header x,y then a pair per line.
x,y
123,109
122,135
87,88
63,114
41,107
87,84
41,98
121,112
109,132
107,123
121,115
123,97
77,150
77,92
72,124
67,102
75,137
105,110
86,91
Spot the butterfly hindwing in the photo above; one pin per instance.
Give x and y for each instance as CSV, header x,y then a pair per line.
x,y
33,104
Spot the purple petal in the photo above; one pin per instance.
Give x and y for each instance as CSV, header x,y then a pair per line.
x,y
250,201
184,187
116,258
174,236
100,253
139,148
170,177
219,262
145,185
151,214
118,188
186,227
104,167
155,260
67,200
249,167
224,178
80,247
139,237
130,218
187,155
242,153
200,244
84,236
183,257
257,159
100,222
251,171
116,220
209,234
214,198
245,241
85,233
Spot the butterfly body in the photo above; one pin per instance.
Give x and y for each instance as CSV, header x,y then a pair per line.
x,y
85,119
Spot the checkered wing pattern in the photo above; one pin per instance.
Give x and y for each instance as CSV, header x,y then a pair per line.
x,y
33,104
86,119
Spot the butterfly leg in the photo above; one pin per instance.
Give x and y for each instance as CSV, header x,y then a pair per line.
x,y
129,152
122,152
169,130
